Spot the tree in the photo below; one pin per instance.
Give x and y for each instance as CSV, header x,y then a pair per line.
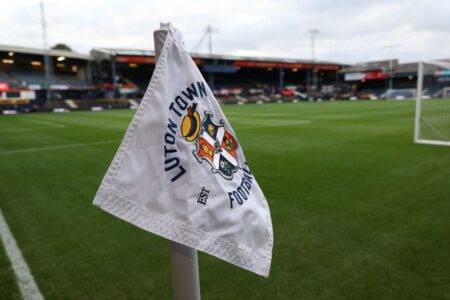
x,y
61,46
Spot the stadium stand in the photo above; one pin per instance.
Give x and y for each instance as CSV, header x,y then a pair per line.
x,y
29,77
111,78
232,78
4,77
393,80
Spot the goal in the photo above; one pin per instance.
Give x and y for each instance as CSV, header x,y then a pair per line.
x,y
432,119
446,92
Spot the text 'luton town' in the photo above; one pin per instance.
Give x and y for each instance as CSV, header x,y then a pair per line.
x,y
179,104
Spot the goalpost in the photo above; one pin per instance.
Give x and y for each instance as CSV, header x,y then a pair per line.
x,y
432,119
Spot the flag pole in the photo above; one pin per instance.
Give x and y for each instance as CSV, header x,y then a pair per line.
x,y
185,278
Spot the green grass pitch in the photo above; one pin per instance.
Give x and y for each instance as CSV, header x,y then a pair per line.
x,y
358,210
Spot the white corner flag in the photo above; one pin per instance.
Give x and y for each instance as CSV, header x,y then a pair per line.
x,y
180,171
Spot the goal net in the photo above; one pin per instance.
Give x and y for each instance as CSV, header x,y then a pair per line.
x,y
432,120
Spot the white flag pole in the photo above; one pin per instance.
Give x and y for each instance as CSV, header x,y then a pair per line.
x,y
185,279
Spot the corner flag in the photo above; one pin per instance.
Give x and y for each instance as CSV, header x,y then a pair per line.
x,y
180,171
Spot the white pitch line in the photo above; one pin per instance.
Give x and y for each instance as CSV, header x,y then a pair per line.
x,y
44,123
18,130
25,280
293,123
74,145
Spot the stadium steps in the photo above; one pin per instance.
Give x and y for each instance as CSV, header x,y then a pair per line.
x,y
71,103
12,79
240,98
265,98
133,103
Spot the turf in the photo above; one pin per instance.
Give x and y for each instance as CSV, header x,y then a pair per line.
x,y
358,210
8,288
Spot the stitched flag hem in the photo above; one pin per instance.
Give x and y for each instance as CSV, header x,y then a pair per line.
x,y
180,232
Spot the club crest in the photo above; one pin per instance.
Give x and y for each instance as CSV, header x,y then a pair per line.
x,y
214,143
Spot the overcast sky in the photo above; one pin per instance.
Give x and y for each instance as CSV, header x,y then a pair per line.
x,y
349,30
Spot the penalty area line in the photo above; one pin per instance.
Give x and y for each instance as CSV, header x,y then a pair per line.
x,y
25,280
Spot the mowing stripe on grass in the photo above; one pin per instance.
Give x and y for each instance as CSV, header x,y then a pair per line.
x,y
56,147
25,280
